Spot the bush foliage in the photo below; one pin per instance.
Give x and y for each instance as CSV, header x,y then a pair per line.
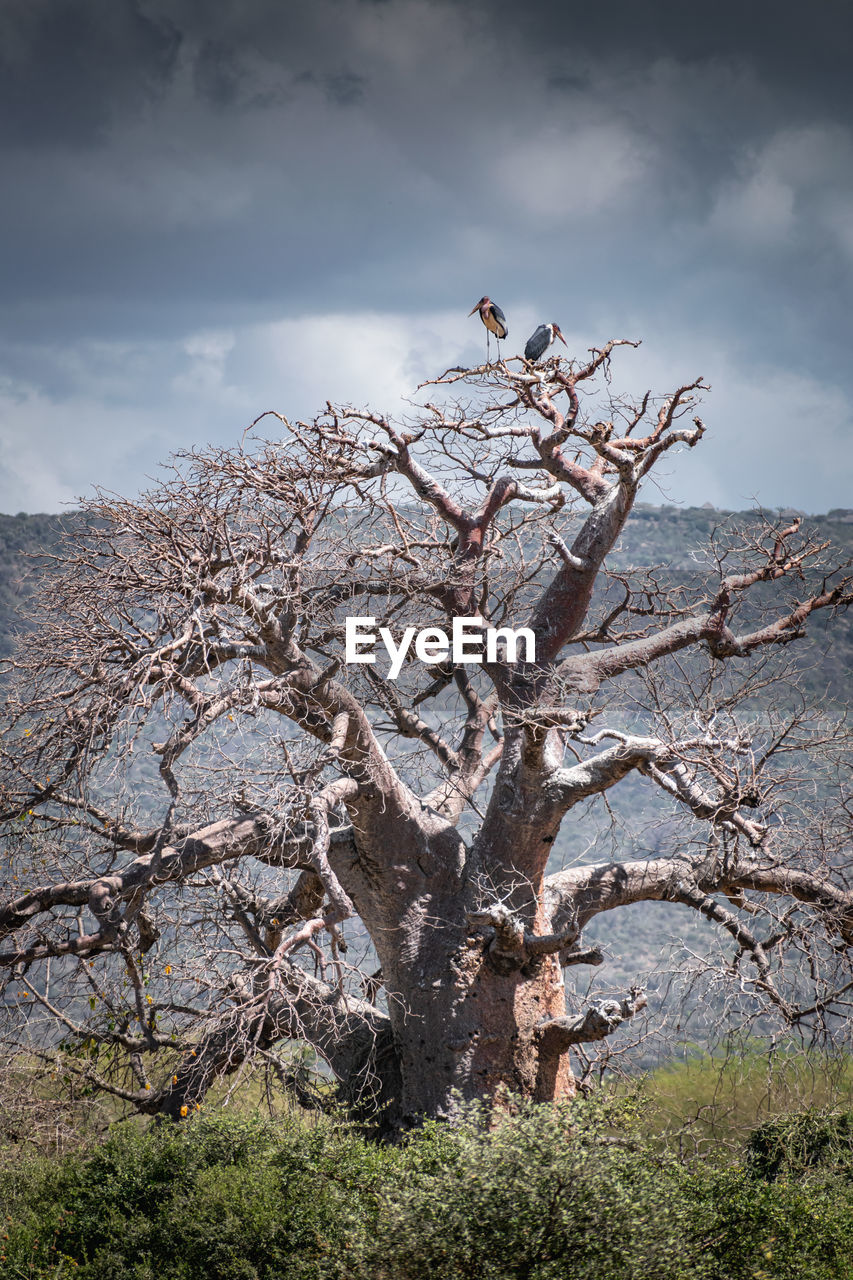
x,y
549,1194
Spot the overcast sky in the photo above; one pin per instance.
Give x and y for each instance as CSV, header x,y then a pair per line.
x,y
216,207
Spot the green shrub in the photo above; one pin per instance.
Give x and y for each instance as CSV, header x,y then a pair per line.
x,y
809,1142
220,1199
574,1192
551,1193
754,1230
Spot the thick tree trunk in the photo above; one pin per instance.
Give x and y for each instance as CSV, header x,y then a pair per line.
x,y
463,1030
466,1003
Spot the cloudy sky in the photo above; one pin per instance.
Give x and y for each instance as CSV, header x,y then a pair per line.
x,y
213,209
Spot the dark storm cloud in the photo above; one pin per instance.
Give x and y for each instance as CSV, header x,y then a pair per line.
x,y
175,167
67,66
803,47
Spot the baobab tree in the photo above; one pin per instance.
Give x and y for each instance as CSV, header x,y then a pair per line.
x,y
233,821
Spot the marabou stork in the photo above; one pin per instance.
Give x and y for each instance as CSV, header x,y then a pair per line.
x,y
539,342
493,318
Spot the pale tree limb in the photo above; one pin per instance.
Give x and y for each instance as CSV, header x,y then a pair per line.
x,y
599,1020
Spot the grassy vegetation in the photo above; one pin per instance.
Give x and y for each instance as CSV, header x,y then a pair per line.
x,y
585,1190
707,1103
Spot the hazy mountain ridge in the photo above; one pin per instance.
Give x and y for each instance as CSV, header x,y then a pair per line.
x,y
22,538
666,536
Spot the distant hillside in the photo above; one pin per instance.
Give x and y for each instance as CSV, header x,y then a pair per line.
x,y
670,535
666,536
21,538
673,538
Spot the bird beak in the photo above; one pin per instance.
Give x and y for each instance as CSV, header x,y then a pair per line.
x,y
560,336
476,307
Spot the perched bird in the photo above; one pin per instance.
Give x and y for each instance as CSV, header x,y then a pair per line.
x,y
493,318
539,342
